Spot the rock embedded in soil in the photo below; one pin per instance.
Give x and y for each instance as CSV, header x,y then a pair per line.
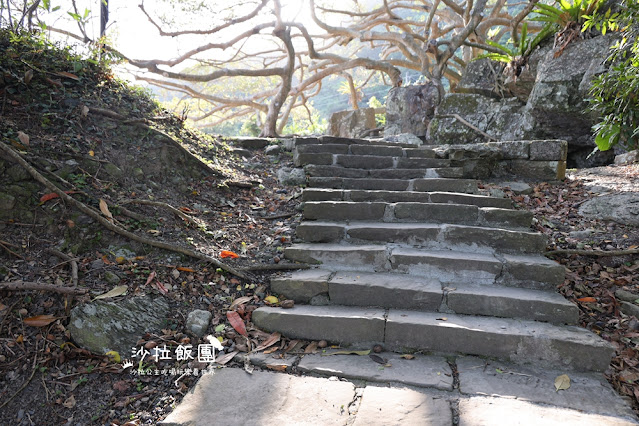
x,y
198,322
103,326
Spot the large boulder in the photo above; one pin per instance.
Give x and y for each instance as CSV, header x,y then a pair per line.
x,y
502,120
558,103
351,124
520,86
102,326
622,208
482,77
409,109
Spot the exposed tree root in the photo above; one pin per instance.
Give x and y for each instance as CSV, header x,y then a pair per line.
x,y
111,226
27,285
169,207
5,245
601,253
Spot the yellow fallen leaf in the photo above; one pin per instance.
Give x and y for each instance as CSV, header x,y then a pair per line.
x,y
104,208
115,356
85,110
91,153
562,382
408,356
271,299
120,260
116,291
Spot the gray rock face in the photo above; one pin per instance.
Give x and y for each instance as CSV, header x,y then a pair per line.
x,y
481,77
557,101
409,109
7,201
198,321
404,138
289,176
102,326
522,85
503,120
622,208
351,124
272,150
627,158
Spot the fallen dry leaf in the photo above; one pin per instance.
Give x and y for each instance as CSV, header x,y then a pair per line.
x,y
116,291
408,356
240,301
224,359
562,382
236,322
68,75
311,348
270,341
24,138
228,254
104,208
39,320
276,367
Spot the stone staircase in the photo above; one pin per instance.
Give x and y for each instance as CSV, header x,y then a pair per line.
x,y
411,257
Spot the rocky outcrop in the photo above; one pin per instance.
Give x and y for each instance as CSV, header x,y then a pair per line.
x,y
409,109
482,77
351,124
547,102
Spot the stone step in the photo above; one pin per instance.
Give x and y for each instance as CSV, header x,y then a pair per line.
x,y
337,140
353,161
518,341
402,291
324,194
468,186
417,212
447,266
366,149
347,172
425,235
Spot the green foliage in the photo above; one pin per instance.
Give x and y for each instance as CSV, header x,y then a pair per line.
x,y
380,119
567,12
524,48
615,94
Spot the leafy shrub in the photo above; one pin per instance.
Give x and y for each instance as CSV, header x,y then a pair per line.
x,y
615,94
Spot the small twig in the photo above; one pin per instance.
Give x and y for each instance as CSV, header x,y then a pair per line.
x,y
8,222
276,267
111,226
26,383
237,184
279,216
6,243
601,253
27,285
67,258
466,123
169,207
2,244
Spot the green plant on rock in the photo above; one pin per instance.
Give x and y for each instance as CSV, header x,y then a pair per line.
x,y
615,94
567,14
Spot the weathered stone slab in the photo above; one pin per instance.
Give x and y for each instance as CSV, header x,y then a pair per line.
x,y
334,171
475,237
335,324
344,210
449,173
535,272
387,196
482,77
275,400
324,182
302,286
539,170
365,161
519,341
468,186
381,184
320,232
505,218
622,208
447,266
102,326
312,158
387,290
494,411
397,173
422,163
420,153
439,213
384,406
509,302
548,150
475,200
588,392
415,234
370,257
377,150
627,158
326,139
423,371
322,148
322,195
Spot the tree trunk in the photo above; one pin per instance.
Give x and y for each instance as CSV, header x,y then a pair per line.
x,y
104,16
270,124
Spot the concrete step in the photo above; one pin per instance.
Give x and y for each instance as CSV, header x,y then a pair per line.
x,y
368,161
425,235
313,170
402,291
468,186
518,341
447,266
418,212
324,194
